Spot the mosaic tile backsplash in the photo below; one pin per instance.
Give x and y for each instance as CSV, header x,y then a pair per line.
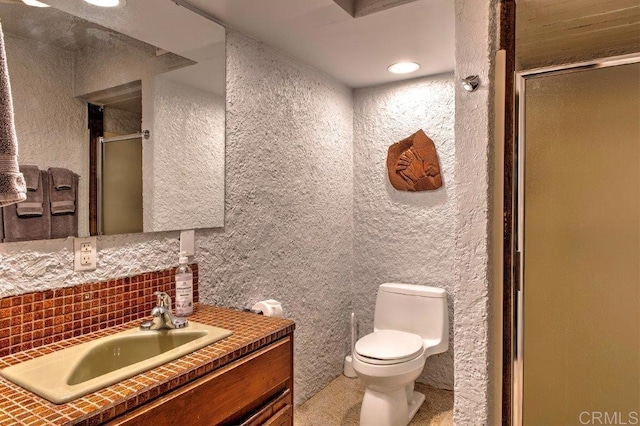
x,y
35,319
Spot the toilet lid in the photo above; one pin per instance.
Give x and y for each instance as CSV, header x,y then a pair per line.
x,y
389,347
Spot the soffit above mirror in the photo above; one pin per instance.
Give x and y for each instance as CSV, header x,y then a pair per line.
x,y
59,29
168,26
161,23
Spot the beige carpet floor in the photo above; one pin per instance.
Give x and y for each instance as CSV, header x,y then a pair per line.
x,y
338,404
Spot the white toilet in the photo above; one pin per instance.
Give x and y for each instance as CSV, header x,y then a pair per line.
x,y
411,323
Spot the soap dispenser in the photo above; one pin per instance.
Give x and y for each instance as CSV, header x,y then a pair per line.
x,y
184,287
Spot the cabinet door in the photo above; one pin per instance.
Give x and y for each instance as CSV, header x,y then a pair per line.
x,y
272,411
225,396
281,418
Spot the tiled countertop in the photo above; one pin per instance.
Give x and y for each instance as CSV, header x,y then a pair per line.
x,y
251,331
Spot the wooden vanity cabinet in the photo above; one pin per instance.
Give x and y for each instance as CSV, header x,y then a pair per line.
x,y
256,389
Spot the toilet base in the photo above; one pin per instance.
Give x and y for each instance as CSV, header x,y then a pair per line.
x,y
390,408
415,404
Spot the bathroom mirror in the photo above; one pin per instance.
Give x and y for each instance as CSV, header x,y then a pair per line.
x,y
74,81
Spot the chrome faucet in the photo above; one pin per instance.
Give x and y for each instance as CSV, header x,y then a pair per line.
x,y
163,319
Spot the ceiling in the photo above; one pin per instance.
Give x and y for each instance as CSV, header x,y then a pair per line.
x,y
323,33
558,31
356,51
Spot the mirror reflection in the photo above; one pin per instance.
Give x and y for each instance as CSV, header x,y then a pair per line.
x,y
84,98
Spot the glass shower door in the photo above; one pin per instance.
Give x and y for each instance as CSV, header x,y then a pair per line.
x,y
121,189
581,253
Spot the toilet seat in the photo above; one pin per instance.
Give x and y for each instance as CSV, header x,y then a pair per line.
x,y
388,347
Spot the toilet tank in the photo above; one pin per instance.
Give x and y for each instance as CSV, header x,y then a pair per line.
x,y
416,309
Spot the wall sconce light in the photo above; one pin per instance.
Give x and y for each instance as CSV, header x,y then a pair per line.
x,y
471,83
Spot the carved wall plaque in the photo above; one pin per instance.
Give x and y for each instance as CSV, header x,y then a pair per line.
x,y
413,164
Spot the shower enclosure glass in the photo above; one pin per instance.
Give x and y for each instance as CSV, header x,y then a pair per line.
x,y
578,356
121,204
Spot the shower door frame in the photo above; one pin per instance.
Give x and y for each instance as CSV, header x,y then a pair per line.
x,y
100,154
517,343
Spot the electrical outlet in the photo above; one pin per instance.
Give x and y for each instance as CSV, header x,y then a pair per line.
x,y
85,253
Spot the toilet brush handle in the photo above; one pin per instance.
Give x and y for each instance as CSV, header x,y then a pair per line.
x,y
353,332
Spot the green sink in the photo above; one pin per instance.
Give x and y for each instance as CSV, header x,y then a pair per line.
x,y
73,372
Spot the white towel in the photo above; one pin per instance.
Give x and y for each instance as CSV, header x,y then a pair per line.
x,y
12,186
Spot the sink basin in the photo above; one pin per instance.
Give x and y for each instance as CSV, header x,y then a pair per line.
x,y
73,372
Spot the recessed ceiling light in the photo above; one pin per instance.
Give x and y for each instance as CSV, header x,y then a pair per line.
x,y
34,3
403,67
106,3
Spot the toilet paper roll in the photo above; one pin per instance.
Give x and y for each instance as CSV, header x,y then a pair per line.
x,y
269,308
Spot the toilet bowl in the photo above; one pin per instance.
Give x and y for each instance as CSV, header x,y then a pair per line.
x,y
410,324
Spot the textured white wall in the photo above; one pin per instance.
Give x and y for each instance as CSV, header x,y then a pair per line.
x,y
288,229
41,265
50,123
188,160
476,35
403,236
121,122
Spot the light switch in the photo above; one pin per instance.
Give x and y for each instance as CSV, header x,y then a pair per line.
x,y
187,242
